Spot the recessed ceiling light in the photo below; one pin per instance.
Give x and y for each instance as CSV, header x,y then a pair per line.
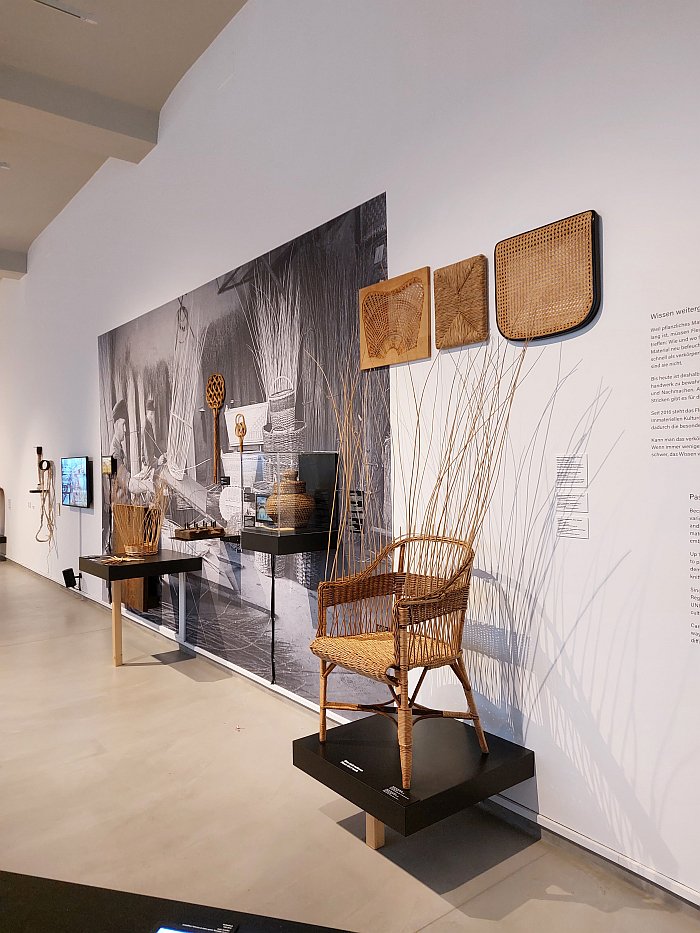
x,y
68,10
5,165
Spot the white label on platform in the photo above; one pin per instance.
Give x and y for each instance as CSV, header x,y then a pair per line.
x,y
396,793
351,766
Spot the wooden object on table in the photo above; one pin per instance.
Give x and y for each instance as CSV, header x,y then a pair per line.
x,y
382,624
548,279
395,320
216,392
461,303
198,534
374,832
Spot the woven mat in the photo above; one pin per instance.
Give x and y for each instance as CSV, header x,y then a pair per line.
x,y
546,279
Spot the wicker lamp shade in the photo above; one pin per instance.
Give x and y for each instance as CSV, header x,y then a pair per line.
x,y
548,280
395,320
461,303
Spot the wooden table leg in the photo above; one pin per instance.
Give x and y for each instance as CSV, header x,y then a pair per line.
x,y
117,622
374,835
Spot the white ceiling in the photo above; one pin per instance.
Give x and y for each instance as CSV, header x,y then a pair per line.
x,y
73,93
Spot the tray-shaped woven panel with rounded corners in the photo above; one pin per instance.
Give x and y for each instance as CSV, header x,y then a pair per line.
x,y
548,280
461,303
395,320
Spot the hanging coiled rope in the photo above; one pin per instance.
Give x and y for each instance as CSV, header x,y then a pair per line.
x,y
47,491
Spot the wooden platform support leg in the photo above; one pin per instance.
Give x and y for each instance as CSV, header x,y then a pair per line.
x,y
117,622
374,833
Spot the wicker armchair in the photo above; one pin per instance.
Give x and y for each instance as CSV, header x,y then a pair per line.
x,y
383,622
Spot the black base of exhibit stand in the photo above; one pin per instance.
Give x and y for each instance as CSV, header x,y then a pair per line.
x,y
31,905
277,544
360,761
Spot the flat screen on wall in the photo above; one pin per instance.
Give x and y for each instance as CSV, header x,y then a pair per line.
x,y
76,482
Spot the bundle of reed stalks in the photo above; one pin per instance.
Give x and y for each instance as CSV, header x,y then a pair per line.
x,y
137,527
274,321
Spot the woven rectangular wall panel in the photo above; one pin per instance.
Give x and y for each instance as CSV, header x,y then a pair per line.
x,y
461,303
548,280
395,320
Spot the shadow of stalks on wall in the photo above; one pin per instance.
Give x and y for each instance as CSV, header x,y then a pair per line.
x,y
541,673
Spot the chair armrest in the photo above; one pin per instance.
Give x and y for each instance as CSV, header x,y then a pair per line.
x,y
347,590
415,610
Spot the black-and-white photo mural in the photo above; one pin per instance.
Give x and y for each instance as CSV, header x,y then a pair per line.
x,y
282,331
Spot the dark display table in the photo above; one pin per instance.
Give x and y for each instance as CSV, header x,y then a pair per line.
x,y
156,565
277,543
30,905
361,762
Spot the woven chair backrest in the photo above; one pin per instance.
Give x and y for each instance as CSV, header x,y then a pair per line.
x,y
430,562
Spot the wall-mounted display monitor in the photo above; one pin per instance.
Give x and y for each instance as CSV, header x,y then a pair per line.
x,y
76,482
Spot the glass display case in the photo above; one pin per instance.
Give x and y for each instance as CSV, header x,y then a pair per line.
x,y
280,493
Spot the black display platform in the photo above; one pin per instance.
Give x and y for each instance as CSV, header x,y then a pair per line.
x,y
153,566
286,542
360,761
40,905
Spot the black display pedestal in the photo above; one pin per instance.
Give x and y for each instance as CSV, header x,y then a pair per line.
x,y
277,543
360,761
31,905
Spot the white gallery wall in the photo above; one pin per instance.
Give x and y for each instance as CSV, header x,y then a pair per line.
x,y
480,121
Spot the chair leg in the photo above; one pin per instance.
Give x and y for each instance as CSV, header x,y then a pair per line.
x,y
322,703
405,718
460,669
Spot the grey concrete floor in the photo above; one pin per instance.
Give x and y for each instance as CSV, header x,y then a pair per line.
x,y
173,777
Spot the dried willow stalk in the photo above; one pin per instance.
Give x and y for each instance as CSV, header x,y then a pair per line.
x,y
447,472
458,436
138,527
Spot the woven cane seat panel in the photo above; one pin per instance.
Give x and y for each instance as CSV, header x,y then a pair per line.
x,y
461,303
374,653
547,279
